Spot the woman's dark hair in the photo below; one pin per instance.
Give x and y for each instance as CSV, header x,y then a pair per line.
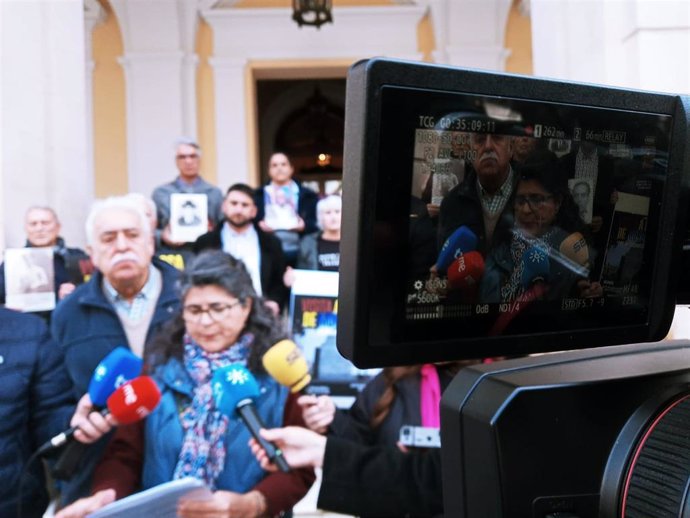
x,y
216,268
544,167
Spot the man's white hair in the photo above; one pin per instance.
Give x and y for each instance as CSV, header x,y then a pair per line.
x,y
332,201
126,202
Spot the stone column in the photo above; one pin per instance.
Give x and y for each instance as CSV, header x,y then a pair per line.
x,y
160,76
43,115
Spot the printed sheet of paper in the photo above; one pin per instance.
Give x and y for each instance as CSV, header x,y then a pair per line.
x,y
157,502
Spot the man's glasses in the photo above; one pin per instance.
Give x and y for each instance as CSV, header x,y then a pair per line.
x,y
191,156
533,200
216,311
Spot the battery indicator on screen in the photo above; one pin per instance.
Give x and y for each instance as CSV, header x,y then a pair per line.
x,y
537,130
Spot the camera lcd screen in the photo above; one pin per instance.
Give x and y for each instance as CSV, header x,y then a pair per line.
x,y
492,223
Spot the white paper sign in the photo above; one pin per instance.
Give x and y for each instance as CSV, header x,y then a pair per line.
x,y
29,279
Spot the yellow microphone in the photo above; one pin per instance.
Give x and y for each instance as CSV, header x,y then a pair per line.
x,y
285,362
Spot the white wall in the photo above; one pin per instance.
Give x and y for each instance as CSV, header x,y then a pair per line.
x,y
631,43
43,115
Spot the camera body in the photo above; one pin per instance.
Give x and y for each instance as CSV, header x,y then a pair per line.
x,y
600,430
560,433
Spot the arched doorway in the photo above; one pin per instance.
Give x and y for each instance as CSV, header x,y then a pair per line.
x,y
305,119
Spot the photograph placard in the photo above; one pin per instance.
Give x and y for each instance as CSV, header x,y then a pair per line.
x,y
188,216
29,279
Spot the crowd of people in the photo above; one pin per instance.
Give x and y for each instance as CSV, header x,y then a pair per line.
x,y
517,195
189,307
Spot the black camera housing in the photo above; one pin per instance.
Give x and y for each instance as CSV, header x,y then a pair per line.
x,y
587,433
563,433
391,105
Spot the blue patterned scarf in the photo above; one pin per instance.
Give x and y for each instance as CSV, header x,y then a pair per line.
x,y
203,452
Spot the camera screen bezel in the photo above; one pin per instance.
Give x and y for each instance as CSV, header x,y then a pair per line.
x,y
366,310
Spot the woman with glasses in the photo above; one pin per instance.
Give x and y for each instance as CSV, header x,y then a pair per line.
x,y
223,322
546,255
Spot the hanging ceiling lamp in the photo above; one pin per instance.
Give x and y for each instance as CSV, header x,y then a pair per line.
x,y
312,12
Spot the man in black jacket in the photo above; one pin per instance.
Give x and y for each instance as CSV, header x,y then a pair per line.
x,y
240,237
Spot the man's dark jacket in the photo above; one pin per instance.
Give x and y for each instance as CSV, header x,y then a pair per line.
x,y
271,258
86,328
462,206
36,403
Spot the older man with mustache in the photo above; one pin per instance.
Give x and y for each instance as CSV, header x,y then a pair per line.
x,y
481,201
127,299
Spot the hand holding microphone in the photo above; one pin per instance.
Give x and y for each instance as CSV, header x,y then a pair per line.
x,y
131,402
119,366
234,391
89,424
286,364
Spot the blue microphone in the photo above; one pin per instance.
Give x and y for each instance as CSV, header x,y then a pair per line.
x,y
119,366
461,241
536,266
234,390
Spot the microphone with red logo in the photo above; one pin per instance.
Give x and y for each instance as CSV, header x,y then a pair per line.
x,y
132,401
465,272
460,242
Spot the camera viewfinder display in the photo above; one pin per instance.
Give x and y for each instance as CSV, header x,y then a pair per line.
x,y
501,215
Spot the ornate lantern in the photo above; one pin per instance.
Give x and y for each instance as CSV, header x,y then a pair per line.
x,y
312,12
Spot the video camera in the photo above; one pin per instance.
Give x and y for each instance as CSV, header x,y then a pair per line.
x,y
468,238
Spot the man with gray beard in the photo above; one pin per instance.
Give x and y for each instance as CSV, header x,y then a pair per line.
x,y
483,201
127,299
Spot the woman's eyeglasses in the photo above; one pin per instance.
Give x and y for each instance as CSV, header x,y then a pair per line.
x,y
216,311
535,201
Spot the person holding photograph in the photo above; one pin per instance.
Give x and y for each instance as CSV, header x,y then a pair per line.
x,y
71,266
188,181
284,207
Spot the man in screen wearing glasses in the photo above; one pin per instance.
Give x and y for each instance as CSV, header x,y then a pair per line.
x,y
189,181
127,299
481,201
